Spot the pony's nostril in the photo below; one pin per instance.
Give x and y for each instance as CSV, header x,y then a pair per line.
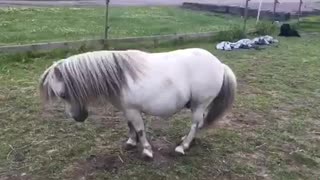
x,y
79,119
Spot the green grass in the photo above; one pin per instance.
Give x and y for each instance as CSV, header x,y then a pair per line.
x,y
273,132
310,24
31,25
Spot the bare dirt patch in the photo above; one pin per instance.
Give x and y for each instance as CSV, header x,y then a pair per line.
x,y
114,162
107,116
84,169
240,120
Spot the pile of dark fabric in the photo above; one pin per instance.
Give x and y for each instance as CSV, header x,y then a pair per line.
x,y
287,31
246,43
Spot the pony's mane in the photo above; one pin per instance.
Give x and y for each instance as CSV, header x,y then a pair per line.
x,y
93,74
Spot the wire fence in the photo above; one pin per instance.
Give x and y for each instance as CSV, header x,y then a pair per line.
x,y
28,26
275,4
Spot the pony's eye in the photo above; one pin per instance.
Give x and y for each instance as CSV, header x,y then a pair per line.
x,y
63,95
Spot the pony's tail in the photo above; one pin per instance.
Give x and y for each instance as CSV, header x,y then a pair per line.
x,y
223,102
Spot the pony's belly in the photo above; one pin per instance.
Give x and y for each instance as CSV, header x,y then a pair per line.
x,y
163,111
164,106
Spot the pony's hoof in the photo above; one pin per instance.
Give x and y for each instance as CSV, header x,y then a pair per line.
x,y
130,144
147,154
179,150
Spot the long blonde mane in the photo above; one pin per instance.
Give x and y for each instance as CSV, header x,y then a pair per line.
x,y
93,74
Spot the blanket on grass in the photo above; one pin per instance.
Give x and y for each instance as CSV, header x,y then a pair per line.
x,y
246,43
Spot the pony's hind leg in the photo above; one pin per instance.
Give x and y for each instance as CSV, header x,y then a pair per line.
x,y
134,118
197,122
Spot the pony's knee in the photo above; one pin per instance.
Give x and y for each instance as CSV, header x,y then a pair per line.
x,y
134,119
198,117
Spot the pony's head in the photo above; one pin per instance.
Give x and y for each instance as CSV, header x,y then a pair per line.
x,y
84,77
54,86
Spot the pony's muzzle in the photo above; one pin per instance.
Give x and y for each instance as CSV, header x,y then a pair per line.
x,y
81,117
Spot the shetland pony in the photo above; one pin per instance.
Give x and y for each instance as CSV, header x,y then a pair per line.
x,y
136,82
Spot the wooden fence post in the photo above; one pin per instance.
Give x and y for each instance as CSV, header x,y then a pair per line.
x,y
106,29
299,15
274,9
245,16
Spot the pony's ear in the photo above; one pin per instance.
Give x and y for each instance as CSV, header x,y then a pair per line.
x,y
58,83
58,74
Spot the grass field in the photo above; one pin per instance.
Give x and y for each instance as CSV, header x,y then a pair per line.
x,y
272,132
310,24
47,24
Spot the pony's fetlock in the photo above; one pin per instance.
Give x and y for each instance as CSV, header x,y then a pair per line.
x,y
130,144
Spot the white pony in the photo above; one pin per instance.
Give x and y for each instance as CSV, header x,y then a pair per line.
x,y
135,82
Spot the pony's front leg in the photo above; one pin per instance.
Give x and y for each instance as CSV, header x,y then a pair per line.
x,y
135,119
197,122
133,137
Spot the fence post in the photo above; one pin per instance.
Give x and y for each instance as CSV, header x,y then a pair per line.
x,y
245,16
259,10
106,29
274,9
299,15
